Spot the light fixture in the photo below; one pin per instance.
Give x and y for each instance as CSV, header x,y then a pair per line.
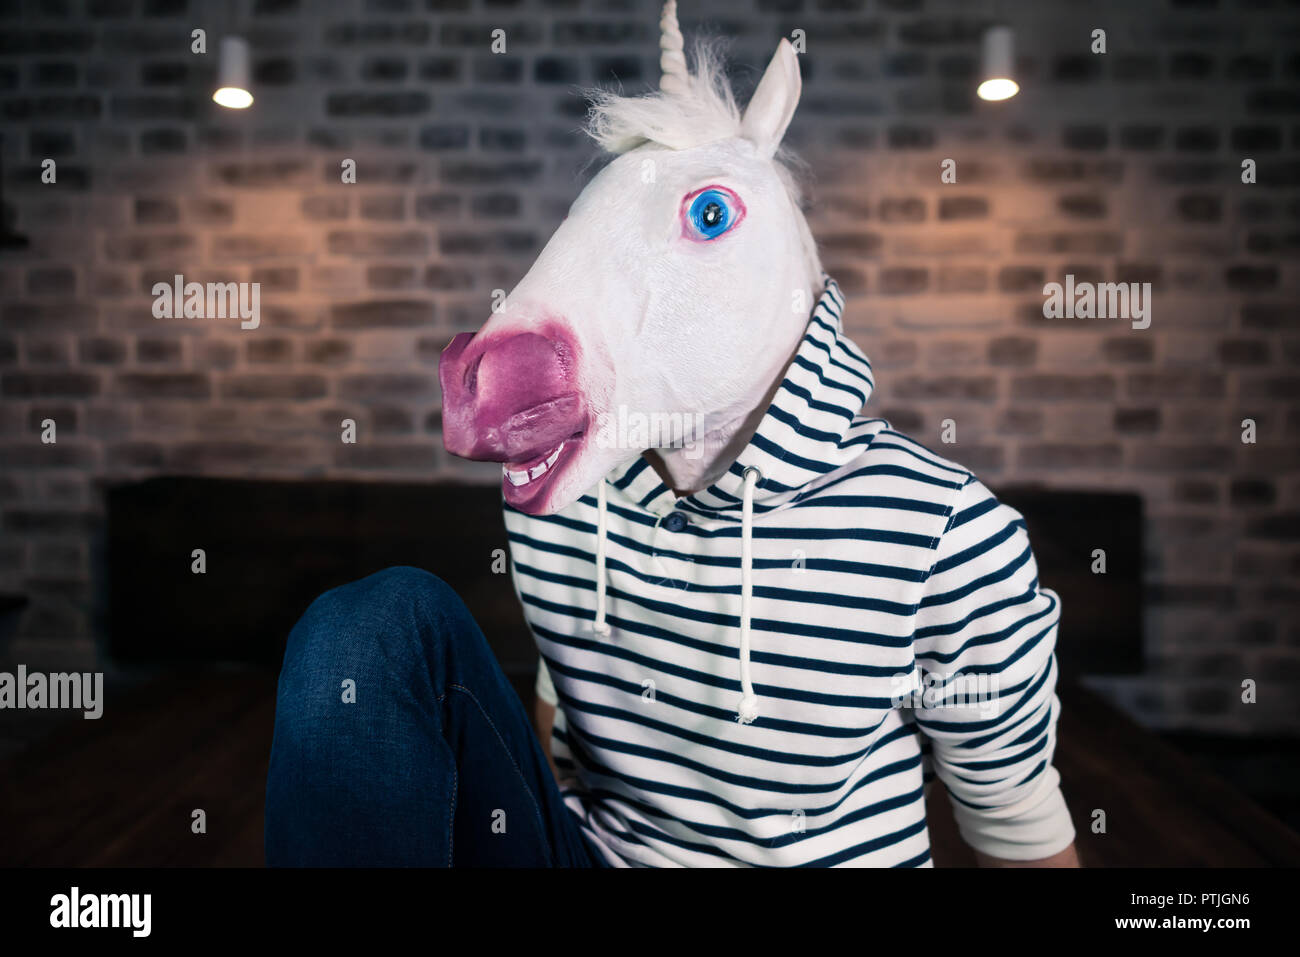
x,y
997,58
233,78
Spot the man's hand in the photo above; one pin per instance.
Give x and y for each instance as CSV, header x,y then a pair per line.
x,y
543,721
1066,858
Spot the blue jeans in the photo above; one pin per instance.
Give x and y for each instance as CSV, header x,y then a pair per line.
x,y
399,741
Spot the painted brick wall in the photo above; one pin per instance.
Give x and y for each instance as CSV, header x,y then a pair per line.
x,y
1115,167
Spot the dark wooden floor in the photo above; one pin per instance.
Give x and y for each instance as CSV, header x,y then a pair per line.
x,y
120,791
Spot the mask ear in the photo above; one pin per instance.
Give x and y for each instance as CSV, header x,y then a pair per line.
x,y
772,106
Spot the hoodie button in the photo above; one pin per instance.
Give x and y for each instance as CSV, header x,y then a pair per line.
x,y
675,522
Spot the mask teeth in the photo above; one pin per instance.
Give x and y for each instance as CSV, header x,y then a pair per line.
x,y
517,477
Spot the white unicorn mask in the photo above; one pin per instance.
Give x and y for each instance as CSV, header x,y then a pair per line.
x,y
678,286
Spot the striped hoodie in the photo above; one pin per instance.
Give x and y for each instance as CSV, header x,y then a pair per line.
x,y
767,672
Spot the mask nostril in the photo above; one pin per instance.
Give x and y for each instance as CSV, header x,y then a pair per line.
x,y
471,374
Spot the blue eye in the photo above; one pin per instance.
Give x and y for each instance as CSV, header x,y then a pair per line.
x,y
712,213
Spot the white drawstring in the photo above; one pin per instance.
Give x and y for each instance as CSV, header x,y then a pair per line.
x,y
748,710
600,626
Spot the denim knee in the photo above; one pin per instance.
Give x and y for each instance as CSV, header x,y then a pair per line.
x,y
400,619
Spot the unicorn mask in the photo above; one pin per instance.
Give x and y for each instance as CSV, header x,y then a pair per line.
x,y
678,286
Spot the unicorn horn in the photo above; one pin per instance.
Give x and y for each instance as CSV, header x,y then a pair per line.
x,y
672,59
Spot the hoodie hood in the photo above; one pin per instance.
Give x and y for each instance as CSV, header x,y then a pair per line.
x,y
803,436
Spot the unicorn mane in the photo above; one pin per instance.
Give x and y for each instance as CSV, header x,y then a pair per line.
x,y
703,112
698,110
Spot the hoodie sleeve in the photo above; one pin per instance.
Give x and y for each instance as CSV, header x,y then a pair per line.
x,y
984,645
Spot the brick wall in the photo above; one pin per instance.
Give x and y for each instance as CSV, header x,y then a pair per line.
x,y
1120,167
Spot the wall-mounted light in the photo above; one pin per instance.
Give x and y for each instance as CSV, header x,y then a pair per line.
x,y
998,54
233,82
